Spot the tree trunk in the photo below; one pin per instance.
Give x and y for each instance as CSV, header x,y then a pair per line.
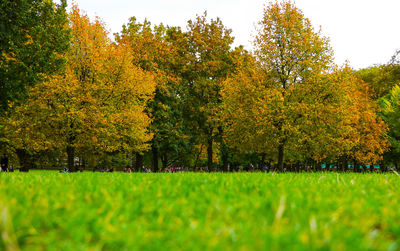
x,y
383,167
262,162
198,156
70,157
139,162
297,167
210,154
345,165
133,164
224,157
25,160
280,157
224,150
155,157
319,167
164,160
356,167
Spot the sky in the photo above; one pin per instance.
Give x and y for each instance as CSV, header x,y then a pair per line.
x,y
364,32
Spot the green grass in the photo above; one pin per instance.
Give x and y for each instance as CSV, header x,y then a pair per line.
x,y
241,211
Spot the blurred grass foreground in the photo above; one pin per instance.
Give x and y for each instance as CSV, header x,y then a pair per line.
x,y
44,210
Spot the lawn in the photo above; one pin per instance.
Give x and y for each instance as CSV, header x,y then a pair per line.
x,y
46,210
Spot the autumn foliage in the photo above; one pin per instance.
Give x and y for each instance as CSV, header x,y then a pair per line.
x,y
290,100
189,98
96,105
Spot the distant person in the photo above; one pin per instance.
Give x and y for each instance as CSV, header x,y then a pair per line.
x,y
11,169
4,163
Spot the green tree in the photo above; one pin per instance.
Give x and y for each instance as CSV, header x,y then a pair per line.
x,y
381,78
34,36
209,61
391,114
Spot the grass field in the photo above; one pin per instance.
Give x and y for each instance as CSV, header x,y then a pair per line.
x,y
192,211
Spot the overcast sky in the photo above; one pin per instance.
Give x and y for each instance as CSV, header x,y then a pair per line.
x,y
365,32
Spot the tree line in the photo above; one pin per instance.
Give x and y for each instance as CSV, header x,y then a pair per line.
x,y
161,96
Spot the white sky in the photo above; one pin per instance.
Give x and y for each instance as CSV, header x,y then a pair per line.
x,y
365,32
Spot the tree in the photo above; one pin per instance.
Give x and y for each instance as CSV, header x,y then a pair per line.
x,y
290,52
154,52
96,105
208,65
34,36
390,113
365,139
381,78
289,99
332,116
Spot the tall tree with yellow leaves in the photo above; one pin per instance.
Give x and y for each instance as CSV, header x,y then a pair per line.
x,y
154,52
290,100
368,131
289,52
97,105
